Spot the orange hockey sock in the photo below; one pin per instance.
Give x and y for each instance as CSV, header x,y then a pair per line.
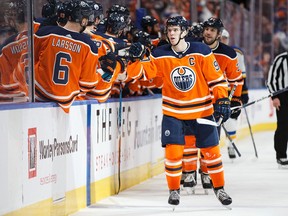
x,y
173,165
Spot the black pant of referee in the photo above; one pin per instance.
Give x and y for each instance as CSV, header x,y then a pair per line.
x,y
281,133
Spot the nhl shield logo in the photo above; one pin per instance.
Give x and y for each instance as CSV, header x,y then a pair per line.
x,y
183,78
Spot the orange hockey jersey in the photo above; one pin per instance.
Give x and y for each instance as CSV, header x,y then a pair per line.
x,y
154,40
65,65
127,71
187,80
227,60
14,67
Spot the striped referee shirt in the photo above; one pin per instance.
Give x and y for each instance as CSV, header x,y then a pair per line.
x,y
278,73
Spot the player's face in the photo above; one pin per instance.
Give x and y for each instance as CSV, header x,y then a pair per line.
x,y
210,35
97,21
84,22
156,28
174,34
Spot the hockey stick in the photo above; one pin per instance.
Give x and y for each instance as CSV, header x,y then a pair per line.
x,y
209,122
219,122
150,92
230,139
235,109
225,130
119,141
252,137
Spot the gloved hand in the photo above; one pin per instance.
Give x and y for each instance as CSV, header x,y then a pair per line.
x,y
222,109
244,98
136,51
236,102
143,38
108,65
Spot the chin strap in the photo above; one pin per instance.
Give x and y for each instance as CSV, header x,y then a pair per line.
x,y
178,40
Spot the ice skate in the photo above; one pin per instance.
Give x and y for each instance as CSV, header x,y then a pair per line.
x,y
282,163
206,182
231,152
190,182
183,177
223,197
174,198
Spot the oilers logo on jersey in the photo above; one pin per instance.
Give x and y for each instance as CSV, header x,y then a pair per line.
x,y
167,133
183,78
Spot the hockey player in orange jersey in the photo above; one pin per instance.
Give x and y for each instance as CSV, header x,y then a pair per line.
x,y
231,124
150,25
189,71
14,61
106,43
110,41
227,60
224,54
141,81
66,61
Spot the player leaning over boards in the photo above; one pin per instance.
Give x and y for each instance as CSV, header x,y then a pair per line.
x,y
189,71
66,61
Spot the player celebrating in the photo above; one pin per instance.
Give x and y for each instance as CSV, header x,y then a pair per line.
x,y
189,71
151,26
98,16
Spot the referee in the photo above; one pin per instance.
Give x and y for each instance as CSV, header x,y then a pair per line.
x,y
277,80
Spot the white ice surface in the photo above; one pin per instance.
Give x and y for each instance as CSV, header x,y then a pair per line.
x,y
257,186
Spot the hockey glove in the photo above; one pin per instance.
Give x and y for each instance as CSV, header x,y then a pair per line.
x,y
244,93
136,51
222,109
236,102
108,65
244,98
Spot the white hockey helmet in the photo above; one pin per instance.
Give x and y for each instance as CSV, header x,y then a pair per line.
x,y
225,33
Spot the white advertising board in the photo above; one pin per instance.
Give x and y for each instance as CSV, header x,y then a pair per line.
x,y
45,155
44,150
260,112
140,136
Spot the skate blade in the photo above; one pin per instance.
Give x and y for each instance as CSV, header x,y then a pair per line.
x,y
282,166
181,187
189,190
173,207
227,207
206,192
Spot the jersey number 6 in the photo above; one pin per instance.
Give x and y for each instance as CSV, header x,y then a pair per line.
x,y
61,72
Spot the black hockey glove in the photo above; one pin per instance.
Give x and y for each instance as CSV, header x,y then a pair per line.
x,y
236,102
222,109
108,65
244,93
244,98
136,51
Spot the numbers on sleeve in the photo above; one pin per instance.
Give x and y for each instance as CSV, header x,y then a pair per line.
x,y
61,70
216,65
